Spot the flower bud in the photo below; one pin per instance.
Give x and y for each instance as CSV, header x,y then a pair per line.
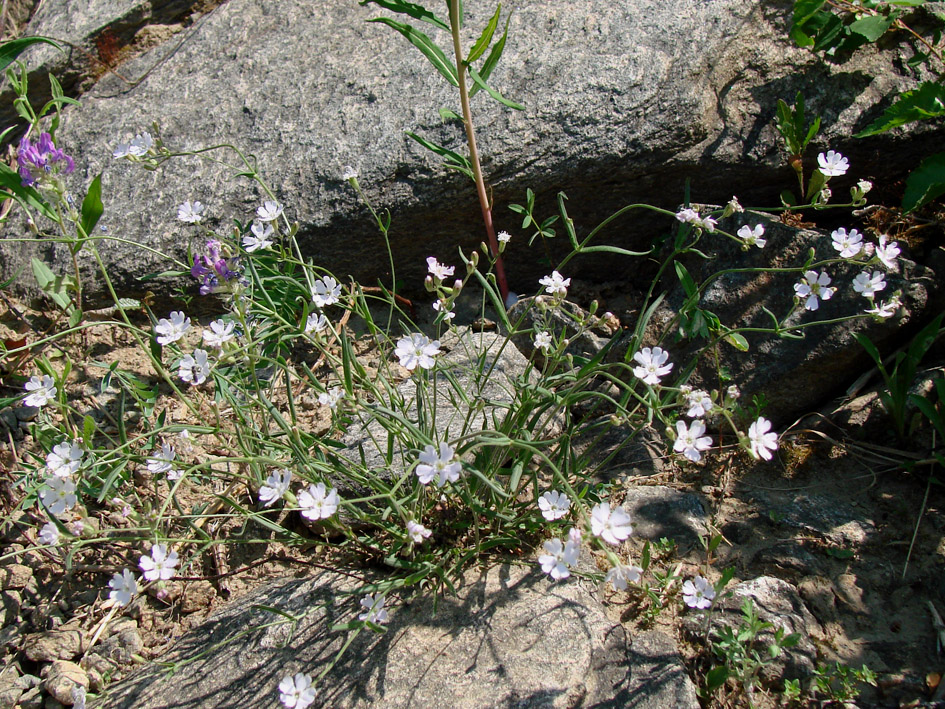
x,y
732,207
859,191
473,262
592,308
428,284
457,285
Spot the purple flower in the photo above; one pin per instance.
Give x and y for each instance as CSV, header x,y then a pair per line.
x,y
38,160
212,267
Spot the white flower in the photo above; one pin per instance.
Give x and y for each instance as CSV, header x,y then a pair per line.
x,y
41,390
752,237
621,575
543,341
124,586
277,484
762,439
707,223
122,150
812,287
161,462
558,557
833,164
191,212
438,270
868,285
555,284
688,215
652,365
194,368
141,144
349,173
503,237
331,397
554,505
417,350
438,465
259,239
220,332
440,306
59,495
65,459
327,291
49,534
849,245
613,525
160,564
733,206
270,211
886,310
690,441
374,611
171,330
297,692
699,403
417,532
887,252
316,322
318,502
698,593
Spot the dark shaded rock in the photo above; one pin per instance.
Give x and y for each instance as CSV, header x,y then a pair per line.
x,y
587,334
510,638
660,511
53,645
835,520
615,451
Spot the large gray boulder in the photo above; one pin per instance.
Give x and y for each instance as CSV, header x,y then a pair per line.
x,y
510,638
623,103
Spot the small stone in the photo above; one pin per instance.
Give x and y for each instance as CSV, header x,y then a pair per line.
x,y
53,703
53,645
31,699
29,681
10,686
15,576
26,413
197,596
12,603
660,511
62,677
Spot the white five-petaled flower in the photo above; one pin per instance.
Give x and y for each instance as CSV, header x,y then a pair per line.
x,y
65,459
441,307
868,285
326,292
690,441
277,485
555,284
699,403
41,390
833,164
417,350
613,525
622,575
887,309
331,397
887,252
752,237
559,556
219,333
194,368
318,502
374,611
349,173
173,328
687,215
652,365
849,245
259,238
59,495
554,505
297,692
440,466
812,287
503,237
49,534
139,146
160,565
124,587
697,593
417,532
761,439
543,341
270,211
191,212
438,270
163,460
316,322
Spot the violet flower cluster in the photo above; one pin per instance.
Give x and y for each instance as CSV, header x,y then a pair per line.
x,y
212,268
41,159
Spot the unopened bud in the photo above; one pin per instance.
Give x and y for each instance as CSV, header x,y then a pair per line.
x,y
457,285
473,262
592,308
428,284
485,247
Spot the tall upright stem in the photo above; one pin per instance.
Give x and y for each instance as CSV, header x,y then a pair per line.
x,y
474,153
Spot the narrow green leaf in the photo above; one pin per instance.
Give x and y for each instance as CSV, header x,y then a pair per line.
x,y
485,39
27,196
448,114
817,183
925,183
494,55
418,12
426,45
9,51
685,279
88,430
480,82
455,161
92,207
805,9
737,340
927,101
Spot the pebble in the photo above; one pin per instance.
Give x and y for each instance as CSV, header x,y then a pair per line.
x,y
61,677
15,576
12,604
53,645
31,699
